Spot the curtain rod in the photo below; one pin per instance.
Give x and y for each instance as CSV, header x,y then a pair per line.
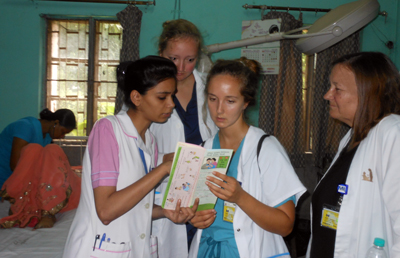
x,y
108,1
265,7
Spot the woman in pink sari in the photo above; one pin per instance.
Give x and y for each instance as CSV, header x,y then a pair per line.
x,y
41,183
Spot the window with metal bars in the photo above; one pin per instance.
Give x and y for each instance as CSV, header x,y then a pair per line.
x,y
82,57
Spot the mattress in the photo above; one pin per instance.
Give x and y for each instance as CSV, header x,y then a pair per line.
x,y
39,243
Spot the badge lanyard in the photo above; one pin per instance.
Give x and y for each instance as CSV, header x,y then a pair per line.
x,y
342,189
330,214
143,160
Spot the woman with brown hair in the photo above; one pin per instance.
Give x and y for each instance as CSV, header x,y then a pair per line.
x,y
358,198
257,197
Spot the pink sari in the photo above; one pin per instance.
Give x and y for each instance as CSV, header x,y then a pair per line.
x,y
42,182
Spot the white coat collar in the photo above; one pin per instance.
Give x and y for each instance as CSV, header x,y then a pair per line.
x,y
249,149
130,131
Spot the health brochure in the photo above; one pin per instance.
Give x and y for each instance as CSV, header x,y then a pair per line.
x,y
190,167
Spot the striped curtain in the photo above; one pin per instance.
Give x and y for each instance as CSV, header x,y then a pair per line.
x,y
281,105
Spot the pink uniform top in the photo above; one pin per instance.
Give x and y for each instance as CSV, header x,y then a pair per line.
x,y
104,153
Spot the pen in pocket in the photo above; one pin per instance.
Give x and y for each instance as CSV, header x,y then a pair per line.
x,y
95,240
103,239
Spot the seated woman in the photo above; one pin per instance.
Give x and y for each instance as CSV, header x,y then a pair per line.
x,y
35,175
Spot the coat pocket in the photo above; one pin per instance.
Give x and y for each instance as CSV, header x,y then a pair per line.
x,y
113,250
153,247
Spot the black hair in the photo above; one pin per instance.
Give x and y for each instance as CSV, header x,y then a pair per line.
x,y
65,117
143,74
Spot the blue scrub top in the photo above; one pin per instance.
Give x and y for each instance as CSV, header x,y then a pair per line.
x,y
190,118
28,129
190,121
218,240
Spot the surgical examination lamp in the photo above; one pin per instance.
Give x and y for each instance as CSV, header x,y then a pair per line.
x,y
331,28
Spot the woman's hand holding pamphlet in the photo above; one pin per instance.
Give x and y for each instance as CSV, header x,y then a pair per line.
x,y
190,167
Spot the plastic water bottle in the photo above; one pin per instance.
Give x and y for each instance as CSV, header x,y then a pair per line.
x,y
377,251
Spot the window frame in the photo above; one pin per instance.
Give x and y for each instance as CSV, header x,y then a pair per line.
x,y
93,59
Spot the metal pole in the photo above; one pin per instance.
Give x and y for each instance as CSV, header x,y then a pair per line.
x,y
108,2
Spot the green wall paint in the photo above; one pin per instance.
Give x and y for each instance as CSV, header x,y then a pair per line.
x,y
22,37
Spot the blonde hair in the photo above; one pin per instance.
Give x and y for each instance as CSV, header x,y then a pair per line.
x,y
177,29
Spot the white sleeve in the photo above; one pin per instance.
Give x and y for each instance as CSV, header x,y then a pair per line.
x,y
390,165
278,177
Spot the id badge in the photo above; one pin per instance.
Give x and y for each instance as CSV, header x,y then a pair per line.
x,y
229,211
330,216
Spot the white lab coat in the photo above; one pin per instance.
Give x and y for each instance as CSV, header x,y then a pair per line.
x,y
168,134
276,182
132,228
371,209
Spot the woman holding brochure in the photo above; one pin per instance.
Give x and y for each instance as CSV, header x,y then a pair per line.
x,y
257,197
114,215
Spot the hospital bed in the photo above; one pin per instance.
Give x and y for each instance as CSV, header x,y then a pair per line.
x,y
47,242
40,243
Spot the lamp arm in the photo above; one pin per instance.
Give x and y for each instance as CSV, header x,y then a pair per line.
x,y
255,40
244,42
307,35
297,30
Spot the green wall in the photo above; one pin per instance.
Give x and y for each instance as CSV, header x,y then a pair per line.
x,y
22,37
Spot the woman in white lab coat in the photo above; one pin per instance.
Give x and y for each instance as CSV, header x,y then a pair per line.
x,y
260,193
114,215
357,200
181,42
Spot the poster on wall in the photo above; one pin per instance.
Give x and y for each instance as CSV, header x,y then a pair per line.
x,y
267,54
